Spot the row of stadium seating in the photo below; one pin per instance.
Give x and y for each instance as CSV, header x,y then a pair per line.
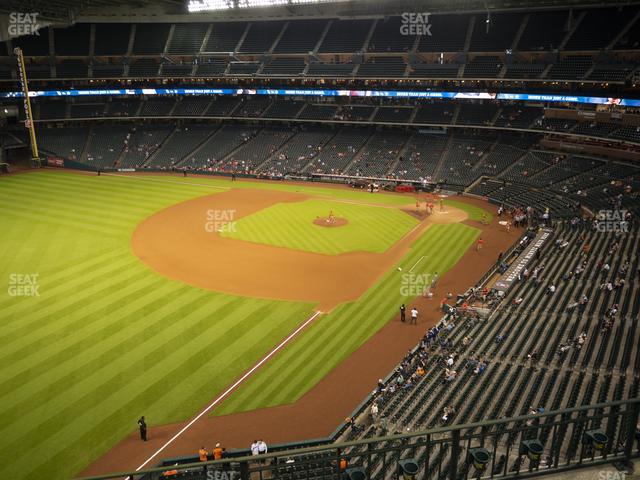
x,y
608,68
524,347
441,112
579,30
508,168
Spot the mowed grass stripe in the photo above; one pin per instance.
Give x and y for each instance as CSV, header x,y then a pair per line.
x,y
58,278
143,299
70,194
77,293
63,212
179,363
83,204
271,324
338,334
139,355
22,213
112,186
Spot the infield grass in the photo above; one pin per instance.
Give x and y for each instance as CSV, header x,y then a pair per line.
x,y
370,228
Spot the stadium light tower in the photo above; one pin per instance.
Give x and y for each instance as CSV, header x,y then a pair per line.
x,y
22,71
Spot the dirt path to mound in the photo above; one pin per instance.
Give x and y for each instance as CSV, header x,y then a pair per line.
x,y
182,242
322,409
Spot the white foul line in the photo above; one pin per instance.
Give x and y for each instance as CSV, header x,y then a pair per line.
x,y
230,389
414,265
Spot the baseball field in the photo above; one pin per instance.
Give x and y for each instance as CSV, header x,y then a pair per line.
x,y
149,295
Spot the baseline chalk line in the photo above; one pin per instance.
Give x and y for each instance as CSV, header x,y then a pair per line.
x,y
230,389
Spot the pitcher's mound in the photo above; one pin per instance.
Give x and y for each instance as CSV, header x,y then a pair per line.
x,y
330,222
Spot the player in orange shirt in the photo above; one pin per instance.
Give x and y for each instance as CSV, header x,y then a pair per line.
x,y
217,452
203,455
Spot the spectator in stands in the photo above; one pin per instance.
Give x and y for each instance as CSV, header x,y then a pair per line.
x,y
450,375
447,414
254,447
583,302
562,349
531,421
374,411
480,367
262,447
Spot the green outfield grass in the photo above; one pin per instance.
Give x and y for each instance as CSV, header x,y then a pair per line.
x,y
108,339
290,225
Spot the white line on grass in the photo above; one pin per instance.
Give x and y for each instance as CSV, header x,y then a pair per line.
x,y
419,260
136,177
410,232
229,390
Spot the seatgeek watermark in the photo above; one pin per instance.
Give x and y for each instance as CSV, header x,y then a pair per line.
x,y
221,221
23,24
414,284
612,221
221,475
415,24
611,475
24,285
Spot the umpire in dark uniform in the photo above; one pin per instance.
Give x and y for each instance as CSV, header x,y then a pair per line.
x,y
143,429
403,313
